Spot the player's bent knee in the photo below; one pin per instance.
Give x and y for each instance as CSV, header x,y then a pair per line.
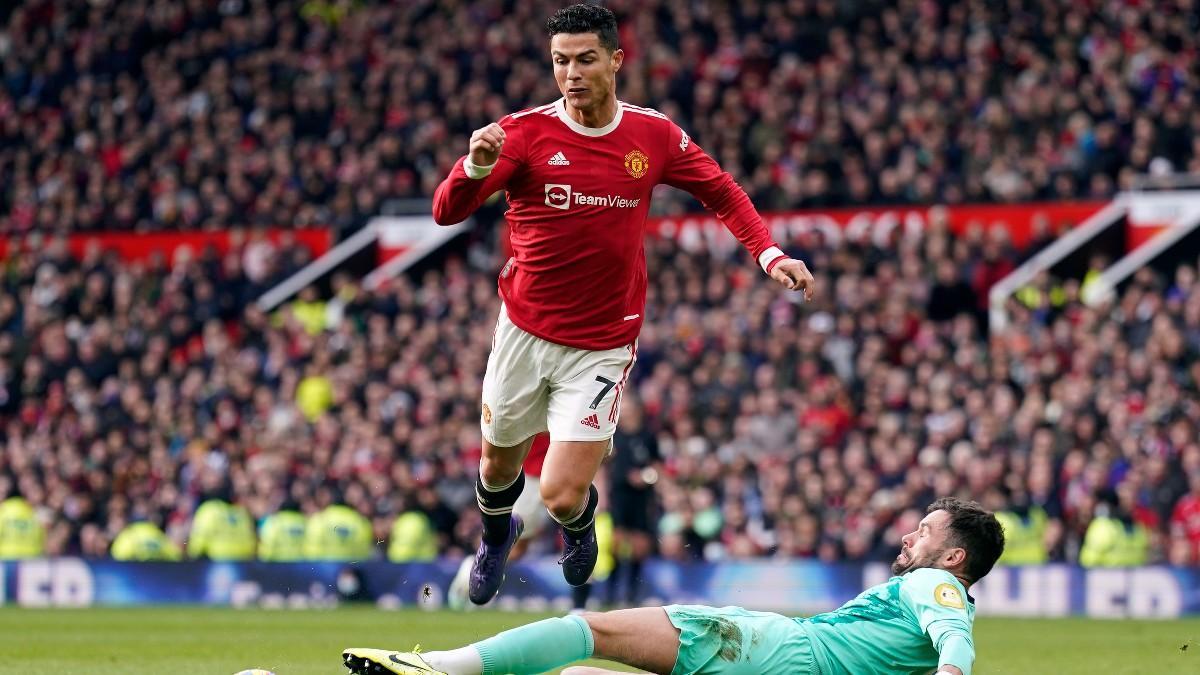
x,y
496,476
498,470
642,637
562,501
608,625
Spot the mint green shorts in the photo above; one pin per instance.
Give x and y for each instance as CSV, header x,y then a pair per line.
x,y
736,641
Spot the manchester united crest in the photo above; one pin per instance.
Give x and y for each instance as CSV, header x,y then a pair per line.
x,y
487,414
637,163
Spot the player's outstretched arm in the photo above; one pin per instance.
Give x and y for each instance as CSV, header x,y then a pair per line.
x,y
485,169
691,169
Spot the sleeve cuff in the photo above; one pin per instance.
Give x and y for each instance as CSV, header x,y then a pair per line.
x,y
770,257
959,652
477,172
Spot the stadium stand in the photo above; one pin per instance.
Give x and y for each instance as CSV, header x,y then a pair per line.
x,y
781,435
133,394
200,114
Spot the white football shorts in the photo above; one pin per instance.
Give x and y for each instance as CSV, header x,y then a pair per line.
x,y
533,385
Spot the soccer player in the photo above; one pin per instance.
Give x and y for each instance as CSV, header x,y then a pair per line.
x,y
917,621
579,174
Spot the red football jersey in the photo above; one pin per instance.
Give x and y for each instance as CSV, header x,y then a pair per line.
x,y
578,199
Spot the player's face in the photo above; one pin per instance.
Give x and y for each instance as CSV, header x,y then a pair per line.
x,y
585,71
925,546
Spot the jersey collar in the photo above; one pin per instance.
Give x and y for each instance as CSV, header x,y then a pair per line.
x,y
560,107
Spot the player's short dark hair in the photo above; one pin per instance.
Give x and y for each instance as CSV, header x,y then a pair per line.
x,y
585,18
976,530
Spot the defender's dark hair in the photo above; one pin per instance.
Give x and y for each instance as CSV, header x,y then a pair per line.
x,y
974,529
584,18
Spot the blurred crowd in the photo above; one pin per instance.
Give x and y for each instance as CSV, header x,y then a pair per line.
x,y
147,115
132,394
155,399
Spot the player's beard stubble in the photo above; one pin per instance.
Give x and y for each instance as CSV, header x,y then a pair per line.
x,y
905,563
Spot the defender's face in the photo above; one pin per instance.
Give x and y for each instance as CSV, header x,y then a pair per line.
x,y
925,546
585,71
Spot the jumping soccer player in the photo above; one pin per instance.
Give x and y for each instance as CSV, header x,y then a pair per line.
x,y
579,174
917,621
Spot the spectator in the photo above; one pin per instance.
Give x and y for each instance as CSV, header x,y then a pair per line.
x,y
21,533
340,533
281,535
314,394
412,539
221,531
1185,519
950,295
633,472
1025,529
144,542
1113,538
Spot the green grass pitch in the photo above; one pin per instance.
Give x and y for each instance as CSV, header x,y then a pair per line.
x,y
204,641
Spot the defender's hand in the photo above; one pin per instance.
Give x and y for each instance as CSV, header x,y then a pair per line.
x,y
794,275
486,144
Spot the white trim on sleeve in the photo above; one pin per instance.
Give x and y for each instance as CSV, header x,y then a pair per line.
x,y
477,172
768,255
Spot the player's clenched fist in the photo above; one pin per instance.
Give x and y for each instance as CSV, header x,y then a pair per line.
x,y
794,274
486,144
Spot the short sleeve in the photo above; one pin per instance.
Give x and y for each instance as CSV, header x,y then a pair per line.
x,y
934,594
938,602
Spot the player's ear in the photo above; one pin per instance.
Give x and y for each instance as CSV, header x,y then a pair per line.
x,y
618,57
955,557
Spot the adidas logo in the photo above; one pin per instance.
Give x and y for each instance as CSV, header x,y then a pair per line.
x,y
559,159
591,421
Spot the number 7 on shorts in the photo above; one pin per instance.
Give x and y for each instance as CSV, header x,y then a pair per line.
x,y
608,385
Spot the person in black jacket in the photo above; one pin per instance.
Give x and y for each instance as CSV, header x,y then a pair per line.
x,y
633,471
951,295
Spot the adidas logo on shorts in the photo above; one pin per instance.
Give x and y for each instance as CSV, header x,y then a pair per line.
x,y
559,159
591,421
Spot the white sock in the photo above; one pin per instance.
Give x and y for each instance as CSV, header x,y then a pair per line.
x,y
461,661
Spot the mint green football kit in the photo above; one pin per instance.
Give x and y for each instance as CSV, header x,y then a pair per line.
x,y
909,624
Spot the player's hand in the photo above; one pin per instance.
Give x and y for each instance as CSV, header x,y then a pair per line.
x,y
794,275
486,144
